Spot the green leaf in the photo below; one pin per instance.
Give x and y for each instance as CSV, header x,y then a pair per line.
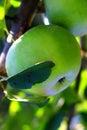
x,y
30,76
81,107
12,7
27,78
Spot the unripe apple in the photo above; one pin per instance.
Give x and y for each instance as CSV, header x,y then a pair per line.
x,y
46,43
71,14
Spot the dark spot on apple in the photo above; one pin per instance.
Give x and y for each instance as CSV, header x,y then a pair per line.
x,y
61,80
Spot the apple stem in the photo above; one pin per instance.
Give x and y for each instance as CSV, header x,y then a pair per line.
x,y
21,23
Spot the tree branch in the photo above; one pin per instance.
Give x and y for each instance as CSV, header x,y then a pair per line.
x,y
19,26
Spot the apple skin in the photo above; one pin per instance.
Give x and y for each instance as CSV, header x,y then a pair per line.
x,y
46,43
70,14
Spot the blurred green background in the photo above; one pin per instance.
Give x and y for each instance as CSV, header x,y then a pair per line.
x,y
65,111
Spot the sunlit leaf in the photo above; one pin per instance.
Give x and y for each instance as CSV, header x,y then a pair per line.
x,y
12,7
40,112
2,17
15,3
14,108
2,12
26,127
81,107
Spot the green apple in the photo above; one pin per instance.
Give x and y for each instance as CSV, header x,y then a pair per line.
x,y
46,43
70,14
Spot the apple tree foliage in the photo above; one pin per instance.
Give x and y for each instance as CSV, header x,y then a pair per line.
x,y
65,111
